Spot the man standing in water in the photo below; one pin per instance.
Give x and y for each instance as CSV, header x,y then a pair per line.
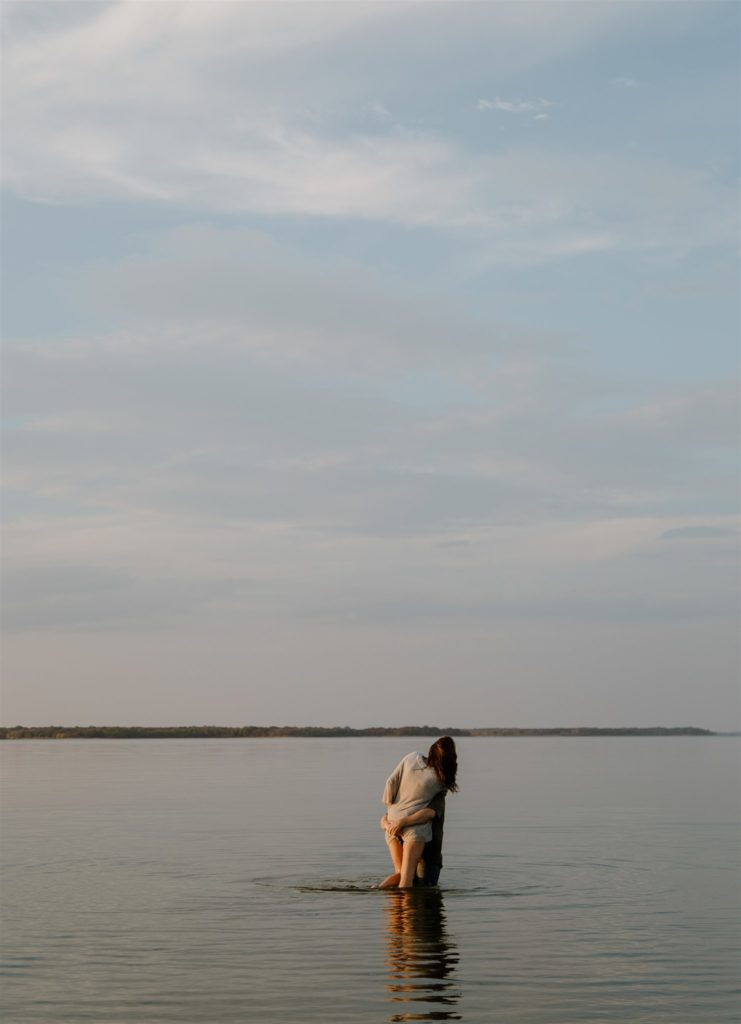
x,y
428,869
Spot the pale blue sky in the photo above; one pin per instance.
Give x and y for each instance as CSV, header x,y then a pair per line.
x,y
371,363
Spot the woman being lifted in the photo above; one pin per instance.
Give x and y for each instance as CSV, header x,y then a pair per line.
x,y
409,790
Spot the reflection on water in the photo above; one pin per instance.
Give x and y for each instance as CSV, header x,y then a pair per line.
x,y
421,957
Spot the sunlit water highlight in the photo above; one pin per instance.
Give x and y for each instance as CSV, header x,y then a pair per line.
x,y
232,881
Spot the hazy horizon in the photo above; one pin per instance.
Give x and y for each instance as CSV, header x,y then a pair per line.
x,y
429,729
371,362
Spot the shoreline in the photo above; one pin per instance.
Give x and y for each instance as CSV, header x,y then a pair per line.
x,y
61,732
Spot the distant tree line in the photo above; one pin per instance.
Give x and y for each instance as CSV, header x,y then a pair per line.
x,y
654,730
118,732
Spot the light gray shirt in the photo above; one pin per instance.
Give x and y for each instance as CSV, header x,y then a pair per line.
x,y
410,787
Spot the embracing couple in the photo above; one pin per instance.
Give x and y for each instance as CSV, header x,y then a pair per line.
x,y
415,814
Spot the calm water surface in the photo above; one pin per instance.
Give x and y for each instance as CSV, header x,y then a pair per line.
x,y
224,881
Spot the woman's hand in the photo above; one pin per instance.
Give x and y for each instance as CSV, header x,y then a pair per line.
x,y
392,827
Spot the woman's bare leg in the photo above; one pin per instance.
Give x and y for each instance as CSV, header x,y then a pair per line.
x,y
395,849
390,881
411,854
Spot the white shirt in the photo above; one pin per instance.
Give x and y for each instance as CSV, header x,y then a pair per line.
x,y
410,787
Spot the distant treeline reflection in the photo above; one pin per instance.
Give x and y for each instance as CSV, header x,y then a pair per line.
x,y
120,732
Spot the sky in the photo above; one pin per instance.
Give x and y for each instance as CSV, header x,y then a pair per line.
x,y
371,363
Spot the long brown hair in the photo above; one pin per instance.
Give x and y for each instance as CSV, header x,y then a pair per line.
x,y
444,759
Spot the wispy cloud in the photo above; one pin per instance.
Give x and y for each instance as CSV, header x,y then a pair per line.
x,y
140,105
515,106
624,83
529,207
273,405
380,111
701,532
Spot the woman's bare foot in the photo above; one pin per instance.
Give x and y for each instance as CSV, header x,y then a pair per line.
x,y
390,882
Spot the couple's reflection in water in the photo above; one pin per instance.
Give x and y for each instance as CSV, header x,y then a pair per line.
x,y
421,957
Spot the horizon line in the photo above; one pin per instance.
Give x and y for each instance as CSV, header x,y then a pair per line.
x,y
373,730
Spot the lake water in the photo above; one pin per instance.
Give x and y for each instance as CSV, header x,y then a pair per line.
x,y
212,881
